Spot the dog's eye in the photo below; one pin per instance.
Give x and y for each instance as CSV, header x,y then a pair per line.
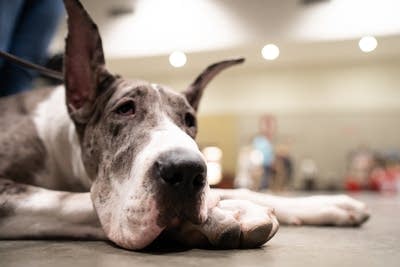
x,y
127,108
190,120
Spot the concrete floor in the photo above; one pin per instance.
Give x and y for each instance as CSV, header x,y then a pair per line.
x,y
377,243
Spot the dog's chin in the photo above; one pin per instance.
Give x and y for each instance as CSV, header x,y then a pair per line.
x,y
138,220
135,240
138,233
133,227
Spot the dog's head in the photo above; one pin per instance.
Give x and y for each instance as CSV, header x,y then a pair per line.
x,y
137,140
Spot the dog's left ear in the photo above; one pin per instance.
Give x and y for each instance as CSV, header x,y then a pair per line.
x,y
195,90
85,70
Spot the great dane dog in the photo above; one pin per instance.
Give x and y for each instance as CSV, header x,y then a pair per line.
x,y
119,162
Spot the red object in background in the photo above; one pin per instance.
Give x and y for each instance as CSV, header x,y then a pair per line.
x,y
352,185
378,175
374,184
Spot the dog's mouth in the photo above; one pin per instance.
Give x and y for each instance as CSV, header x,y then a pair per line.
x,y
177,218
175,208
169,236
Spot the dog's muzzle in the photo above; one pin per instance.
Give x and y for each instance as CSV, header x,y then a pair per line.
x,y
179,176
172,190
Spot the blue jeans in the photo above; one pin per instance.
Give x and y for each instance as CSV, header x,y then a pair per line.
x,y
26,30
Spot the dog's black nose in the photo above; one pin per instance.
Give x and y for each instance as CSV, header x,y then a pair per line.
x,y
182,169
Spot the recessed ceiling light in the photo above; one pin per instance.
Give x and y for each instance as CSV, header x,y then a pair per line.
x,y
368,44
270,52
177,59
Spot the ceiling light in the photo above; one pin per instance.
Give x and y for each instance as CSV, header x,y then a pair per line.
x,y
368,44
177,59
270,52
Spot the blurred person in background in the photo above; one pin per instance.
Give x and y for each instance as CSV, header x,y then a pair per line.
x,y
283,167
26,30
373,171
263,143
250,169
385,175
308,174
361,162
378,173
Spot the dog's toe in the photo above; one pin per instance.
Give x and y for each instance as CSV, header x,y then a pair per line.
x,y
359,217
229,238
256,237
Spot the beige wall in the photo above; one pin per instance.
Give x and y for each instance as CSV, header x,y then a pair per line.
x,y
221,130
337,88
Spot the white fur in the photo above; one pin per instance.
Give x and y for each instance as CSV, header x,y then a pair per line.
x,y
57,132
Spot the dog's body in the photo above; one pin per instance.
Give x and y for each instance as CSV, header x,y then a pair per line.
x,y
131,144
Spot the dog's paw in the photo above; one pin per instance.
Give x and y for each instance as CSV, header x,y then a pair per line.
x,y
257,224
239,224
339,210
231,224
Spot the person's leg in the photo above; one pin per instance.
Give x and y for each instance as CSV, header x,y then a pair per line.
x,y
33,34
9,14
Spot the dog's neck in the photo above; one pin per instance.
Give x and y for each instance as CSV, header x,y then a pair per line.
x,y
57,131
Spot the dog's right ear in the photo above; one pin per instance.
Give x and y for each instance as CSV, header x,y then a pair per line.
x,y
195,90
84,68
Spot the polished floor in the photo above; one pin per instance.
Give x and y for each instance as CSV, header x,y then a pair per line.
x,y
377,243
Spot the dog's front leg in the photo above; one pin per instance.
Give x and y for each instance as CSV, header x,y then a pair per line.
x,y
33,212
339,210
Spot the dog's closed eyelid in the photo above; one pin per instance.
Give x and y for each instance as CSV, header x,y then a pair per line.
x,y
116,103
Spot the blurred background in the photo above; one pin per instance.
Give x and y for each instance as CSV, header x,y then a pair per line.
x,y
316,106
